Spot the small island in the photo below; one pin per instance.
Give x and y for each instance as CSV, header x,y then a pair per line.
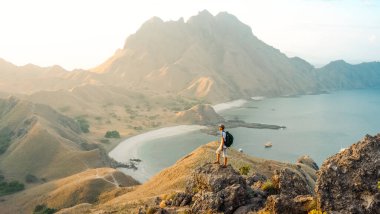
x,y
204,114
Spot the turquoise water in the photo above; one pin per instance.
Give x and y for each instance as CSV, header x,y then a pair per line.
x,y
317,125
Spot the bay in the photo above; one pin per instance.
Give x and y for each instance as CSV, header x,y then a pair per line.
x,y
316,125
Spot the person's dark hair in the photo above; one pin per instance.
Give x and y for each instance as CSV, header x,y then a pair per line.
x,y
221,126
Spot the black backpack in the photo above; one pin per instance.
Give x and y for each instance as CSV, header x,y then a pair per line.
x,y
229,139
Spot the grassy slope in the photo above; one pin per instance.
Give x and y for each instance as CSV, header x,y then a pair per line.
x,y
44,143
85,187
174,178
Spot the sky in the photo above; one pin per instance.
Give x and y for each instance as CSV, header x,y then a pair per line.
x,y
84,33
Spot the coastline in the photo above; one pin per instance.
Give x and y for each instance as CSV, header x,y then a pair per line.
x,y
228,105
128,148
128,145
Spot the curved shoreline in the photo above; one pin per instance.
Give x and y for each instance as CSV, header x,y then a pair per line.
x,y
128,148
228,105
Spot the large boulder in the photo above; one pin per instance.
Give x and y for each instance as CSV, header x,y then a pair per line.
x,y
291,182
308,161
282,204
295,189
218,189
347,181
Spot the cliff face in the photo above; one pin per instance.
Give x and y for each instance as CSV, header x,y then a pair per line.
x,y
348,181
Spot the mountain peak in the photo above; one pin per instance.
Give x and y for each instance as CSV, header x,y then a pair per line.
x,y
154,20
205,13
203,17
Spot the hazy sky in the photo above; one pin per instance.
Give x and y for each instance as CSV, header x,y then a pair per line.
x,y
84,33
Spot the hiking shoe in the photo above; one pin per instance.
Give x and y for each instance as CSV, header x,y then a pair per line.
x,y
223,166
216,162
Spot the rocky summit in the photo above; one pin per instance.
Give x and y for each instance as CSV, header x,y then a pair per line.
x,y
348,181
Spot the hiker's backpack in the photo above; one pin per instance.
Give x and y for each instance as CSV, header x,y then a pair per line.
x,y
229,139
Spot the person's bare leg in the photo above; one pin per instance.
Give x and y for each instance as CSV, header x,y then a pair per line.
x,y
225,161
217,158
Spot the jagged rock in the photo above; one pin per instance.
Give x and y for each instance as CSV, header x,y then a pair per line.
x,y
347,181
294,190
255,178
217,189
181,199
279,204
205,201
291,183
245,209
308,161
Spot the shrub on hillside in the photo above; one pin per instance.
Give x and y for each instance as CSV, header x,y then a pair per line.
x,y
112,134
83,124
244,170
29,178
43,209
5,139
11,187
269,187
316,212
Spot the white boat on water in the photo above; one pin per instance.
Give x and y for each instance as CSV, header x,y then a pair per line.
x,y
268,145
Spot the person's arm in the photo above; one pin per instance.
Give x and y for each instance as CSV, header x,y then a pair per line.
x,y
223,136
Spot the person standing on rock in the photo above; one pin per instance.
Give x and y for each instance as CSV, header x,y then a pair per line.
x,y
222,147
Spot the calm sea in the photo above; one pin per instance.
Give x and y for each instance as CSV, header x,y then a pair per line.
x,y
317,125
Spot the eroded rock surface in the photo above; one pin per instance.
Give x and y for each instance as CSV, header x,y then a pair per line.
x,y
347,181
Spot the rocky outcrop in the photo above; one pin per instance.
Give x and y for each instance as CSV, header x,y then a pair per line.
x,y
295,192
291,183
200,114
308,161
284,204
217,189
294,186
347,181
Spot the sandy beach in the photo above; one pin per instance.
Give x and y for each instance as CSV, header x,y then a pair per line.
x,y
128,149
228,105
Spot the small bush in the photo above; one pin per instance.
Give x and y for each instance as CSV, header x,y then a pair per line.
x,y
269,187
83,124
316,212
112,134
29,178
378,185
11,187
43,209
312,205
163,204
244,170
5,139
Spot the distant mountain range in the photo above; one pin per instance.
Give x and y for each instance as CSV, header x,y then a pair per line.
x,y
164,68
214,58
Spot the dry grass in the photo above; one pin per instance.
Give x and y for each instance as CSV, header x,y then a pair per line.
x,y
91,186
173,179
